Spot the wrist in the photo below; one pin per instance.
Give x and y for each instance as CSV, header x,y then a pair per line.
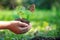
x,y
4,24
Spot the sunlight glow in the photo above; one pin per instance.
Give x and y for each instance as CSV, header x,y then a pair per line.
x,y
48,28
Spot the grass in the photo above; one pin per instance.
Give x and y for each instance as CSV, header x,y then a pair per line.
x,y
40,19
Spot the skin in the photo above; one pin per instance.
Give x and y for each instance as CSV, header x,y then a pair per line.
x,y
15,26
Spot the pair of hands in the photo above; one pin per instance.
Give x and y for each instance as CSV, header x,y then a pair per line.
x,y
19,27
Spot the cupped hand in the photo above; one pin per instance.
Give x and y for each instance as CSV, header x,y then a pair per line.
x,y
19,27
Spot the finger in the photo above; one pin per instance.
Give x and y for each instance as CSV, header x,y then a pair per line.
x,y
30,25
21,24
25,29
22,28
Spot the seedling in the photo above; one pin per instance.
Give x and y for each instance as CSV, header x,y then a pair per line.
x,y
19,18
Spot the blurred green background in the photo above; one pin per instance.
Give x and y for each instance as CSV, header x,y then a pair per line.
x,y
45,19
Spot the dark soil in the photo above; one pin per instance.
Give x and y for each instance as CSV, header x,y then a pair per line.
x,y
23,20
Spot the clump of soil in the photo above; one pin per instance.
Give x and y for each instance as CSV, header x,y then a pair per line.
x,y
23,20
